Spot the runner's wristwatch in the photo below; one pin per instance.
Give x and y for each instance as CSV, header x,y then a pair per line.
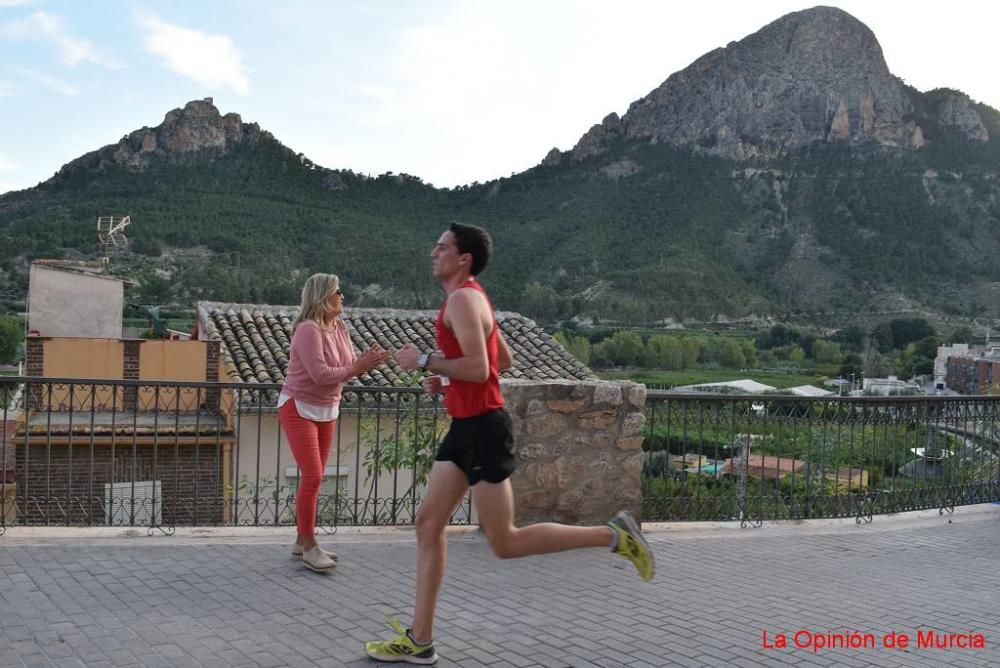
x,y
422,360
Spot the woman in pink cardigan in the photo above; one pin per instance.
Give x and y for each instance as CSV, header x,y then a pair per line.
x,y
320,360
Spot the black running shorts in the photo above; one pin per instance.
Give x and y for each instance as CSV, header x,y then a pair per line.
x,y
482,446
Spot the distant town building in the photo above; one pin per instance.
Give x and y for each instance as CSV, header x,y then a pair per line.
x,y
975,372
941,361
887,387
745,386
808,391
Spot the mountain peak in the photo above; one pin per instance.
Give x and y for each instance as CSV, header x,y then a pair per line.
x,y
817,75
197,126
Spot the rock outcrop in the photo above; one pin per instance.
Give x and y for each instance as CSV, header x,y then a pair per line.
x,y
599,137
197,127
956,111
553,158
812,76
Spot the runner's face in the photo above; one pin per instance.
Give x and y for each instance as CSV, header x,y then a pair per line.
x,y
445,258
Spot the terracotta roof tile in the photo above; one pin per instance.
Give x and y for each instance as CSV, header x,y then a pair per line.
x,y
255,340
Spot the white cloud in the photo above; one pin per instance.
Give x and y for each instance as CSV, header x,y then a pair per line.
x,y
505,82
376,92
49,27
7,166
503,87
15,3
211,60
54,85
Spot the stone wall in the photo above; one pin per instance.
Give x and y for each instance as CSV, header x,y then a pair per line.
x,y
579,449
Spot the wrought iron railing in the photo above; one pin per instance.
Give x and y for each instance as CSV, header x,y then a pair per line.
x,y
756,458
159,454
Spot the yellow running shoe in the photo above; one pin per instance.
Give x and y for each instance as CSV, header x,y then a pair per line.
x,y
401,649
631,544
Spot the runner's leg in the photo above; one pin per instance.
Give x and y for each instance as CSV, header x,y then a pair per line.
x,y
445,488
494,504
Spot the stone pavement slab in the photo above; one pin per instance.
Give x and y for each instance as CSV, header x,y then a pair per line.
x,y
227,600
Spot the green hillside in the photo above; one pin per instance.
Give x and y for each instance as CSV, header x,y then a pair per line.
x,y
820,232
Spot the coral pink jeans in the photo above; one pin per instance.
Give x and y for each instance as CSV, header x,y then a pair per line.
x,y
310,442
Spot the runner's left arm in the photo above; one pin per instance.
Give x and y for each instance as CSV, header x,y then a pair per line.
x,y
505,358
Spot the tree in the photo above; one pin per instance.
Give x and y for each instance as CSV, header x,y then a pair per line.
x,y
778,336
918,358
875,364
806,342
881,338
928,347
961,334
852,366
725,352
540,302
852,338
797,354
625,348
11,336
599,358
908,330
663,351
826,352
577,346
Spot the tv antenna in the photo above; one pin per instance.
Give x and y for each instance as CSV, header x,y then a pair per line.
x,y
111,236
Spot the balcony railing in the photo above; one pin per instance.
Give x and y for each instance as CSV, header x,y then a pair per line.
x,y
756,458
158,455
164,454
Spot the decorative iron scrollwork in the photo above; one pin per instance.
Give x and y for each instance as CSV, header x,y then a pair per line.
x,y
168,530
866,509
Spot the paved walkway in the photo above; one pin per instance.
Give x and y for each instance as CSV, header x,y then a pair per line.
x,y
221,600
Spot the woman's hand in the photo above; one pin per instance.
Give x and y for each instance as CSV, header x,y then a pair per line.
x,y
371,358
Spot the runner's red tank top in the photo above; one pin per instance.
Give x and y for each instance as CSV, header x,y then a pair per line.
x,y
464,398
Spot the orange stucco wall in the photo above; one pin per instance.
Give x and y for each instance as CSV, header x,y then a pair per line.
x,y
82,358
172,360
105,358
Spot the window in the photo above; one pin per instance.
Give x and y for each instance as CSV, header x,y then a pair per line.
x,y
138,505
334,479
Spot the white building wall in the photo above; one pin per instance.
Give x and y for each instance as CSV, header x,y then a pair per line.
x,y
65,303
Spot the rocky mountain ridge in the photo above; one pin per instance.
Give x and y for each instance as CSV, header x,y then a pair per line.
x,y
789,172
197,126
816,75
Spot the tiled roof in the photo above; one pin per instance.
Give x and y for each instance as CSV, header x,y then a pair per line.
x,y
255,339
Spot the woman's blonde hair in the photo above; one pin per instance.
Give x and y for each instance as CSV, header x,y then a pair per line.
x,y
318,288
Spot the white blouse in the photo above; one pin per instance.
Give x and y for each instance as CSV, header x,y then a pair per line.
x,y
312,411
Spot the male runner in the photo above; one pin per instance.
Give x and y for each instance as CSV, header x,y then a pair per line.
x,y
477,451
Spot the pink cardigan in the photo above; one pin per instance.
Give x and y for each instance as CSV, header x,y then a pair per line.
x,y
319,363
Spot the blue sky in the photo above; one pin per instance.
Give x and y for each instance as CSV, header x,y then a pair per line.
x,y
452,91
